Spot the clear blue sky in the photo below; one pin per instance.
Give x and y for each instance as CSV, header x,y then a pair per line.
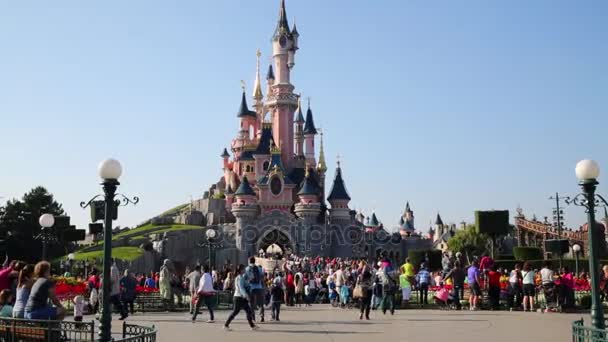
x,y
452,105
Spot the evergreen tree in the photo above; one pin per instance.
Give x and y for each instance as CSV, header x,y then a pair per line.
x,y
19,224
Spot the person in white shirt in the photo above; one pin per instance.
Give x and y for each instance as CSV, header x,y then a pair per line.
x,y
241,299
339,278
205,295
528,286
546,274
194,279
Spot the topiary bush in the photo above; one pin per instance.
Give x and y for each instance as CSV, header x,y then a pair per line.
x,y
527,253
418,256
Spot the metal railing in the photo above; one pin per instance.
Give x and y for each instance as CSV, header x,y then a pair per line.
x,y
14,330
23,330
582,333
137,333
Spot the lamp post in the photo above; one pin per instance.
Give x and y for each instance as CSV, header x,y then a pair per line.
x,y
46,222
211,244
576,249
109,171
587,172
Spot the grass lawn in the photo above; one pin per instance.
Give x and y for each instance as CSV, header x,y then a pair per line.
x,y
150,228
121,253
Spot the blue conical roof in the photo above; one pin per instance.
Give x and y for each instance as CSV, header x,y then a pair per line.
x,y
270,74
244,188
244,109
338,189
308,186
309,126
373,222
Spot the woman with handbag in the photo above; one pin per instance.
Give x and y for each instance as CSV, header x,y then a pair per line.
x,y
205,294
363,290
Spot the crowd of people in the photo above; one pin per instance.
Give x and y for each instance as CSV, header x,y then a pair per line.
x,y
28,291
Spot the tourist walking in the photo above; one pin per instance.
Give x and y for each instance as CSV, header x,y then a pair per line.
x,y
364,287
205,294
276,297
193,278
528,286
389,288
115,290
128,288
255,275
241,299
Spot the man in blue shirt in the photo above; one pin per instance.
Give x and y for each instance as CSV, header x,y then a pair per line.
x,y
255,276
423,278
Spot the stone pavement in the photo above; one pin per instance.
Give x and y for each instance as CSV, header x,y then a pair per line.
x,y
324,323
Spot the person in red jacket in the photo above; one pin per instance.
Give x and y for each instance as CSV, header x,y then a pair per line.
x,y
494,288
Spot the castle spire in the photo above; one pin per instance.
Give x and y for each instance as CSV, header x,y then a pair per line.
x,y
244,109
270,73
438,220
309,126
282,24
299,118
321,166
338,189
257,88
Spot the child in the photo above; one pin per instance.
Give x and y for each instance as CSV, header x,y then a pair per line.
x,y
406,288
333,294
78,308
276,297
345,294
377,293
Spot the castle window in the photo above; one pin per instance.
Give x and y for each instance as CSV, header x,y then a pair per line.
x,y
266,165
276,186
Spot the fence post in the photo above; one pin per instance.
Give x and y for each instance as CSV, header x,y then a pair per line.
x,y
92,330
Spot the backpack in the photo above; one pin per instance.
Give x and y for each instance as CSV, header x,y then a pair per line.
x,y
257,278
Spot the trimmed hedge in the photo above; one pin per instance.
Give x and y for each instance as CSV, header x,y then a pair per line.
x,y
418,256
527,253
583,264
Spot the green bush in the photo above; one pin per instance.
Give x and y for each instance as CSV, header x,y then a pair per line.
x,y
527,253
585,302
583,264
418,256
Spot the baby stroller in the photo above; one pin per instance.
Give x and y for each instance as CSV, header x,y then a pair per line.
x,y
552,302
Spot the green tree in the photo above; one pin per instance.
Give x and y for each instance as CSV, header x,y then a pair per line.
x,y
19,224
469,242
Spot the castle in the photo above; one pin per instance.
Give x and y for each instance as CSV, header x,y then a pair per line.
x,y
273,189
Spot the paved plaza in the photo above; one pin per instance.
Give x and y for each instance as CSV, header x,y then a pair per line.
x,y
324,323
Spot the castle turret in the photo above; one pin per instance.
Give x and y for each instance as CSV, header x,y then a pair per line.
x,y
439,226
229,193
225,157
299,121
245,210
309,137
338,199
373,225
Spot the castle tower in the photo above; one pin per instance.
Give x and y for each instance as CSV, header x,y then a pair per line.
x,y
299,121
439,226
281,101
245,210
338,199
373,224
225,158
309,137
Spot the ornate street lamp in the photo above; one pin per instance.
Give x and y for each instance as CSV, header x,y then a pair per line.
x,y
109,171
576,248
211,244
46,222
587,172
